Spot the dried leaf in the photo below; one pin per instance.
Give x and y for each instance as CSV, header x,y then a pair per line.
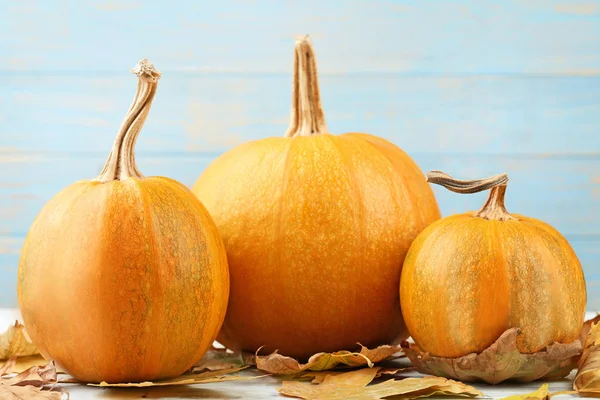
x,y
587,325
352,385
24,363
219,359
187,379
540,394
588,375
34,376
28,393
30,384
15,341
501,361
9,366
319,376
278,364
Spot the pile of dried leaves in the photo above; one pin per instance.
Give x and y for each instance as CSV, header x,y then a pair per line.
x,y
339,375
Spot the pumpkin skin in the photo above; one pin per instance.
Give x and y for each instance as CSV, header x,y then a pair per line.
x,y
316,229
123,280
467,279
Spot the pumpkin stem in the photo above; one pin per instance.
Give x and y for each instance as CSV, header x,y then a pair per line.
x,y
307,117
494,206
121,161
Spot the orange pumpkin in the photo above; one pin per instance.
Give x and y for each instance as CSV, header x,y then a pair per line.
x,y
316,227
124,278
469,277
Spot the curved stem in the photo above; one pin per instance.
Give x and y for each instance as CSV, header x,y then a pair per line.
x,y
307,117
121,161
494,207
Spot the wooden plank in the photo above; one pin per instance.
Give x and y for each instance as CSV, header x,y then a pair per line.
x,y
447,37
562,192
212,113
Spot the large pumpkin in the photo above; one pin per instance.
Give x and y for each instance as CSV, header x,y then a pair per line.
x,y
124,278
469,277
316,227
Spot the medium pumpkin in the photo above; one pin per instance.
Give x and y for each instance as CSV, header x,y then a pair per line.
x,y
316,227
124,278
469,277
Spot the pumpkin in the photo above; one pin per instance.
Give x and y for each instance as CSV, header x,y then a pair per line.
x,y
124,278
470,277
316,227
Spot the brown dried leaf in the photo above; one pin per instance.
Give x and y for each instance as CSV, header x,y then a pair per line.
x,y
30,384
501,361
34,376
540,394
588,375
15,341
587,325
352,385
278,364
188,379
218,359
24,363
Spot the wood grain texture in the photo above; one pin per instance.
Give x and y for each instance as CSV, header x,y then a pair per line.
x,y
213,112
431,36
471,87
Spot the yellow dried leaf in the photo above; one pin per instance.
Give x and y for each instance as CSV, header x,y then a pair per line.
x,y
501,361
278,364
15,341
188,379
352,385
587,379
540,394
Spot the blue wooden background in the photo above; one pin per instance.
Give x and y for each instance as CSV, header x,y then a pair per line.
x,y
470,87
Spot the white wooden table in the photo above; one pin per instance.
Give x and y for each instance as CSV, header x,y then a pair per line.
x,y
263,388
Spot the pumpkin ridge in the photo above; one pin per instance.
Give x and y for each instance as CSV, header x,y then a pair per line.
x,y
406,190
524,342
287,160
157,304
210,231
359,204
444,303
502,303
542,231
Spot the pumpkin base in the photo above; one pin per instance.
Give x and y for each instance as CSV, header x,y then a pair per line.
x,y
500,362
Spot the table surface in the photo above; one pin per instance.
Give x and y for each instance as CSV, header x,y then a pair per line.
x,y
264,388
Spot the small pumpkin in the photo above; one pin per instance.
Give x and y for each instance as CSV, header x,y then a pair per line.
x,y
469,277
316,227
124,278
